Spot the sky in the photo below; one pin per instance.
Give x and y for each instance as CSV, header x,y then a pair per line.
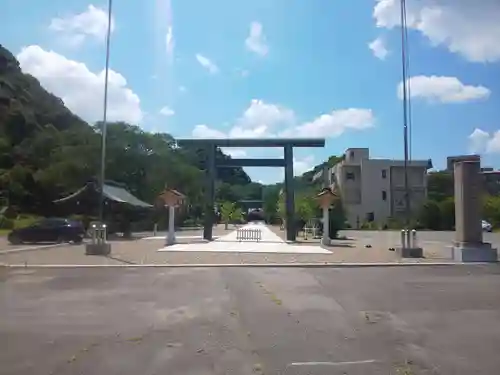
x,y
275,68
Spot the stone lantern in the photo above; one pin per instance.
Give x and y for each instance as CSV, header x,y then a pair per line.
x,y
171,198
325,199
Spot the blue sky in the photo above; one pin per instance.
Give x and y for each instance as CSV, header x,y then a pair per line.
x,y
267,68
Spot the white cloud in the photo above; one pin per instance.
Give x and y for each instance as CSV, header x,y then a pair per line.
x,y
256,40
75,29
207,63
444,89
470,28
334,124
81,89
378,48
167,111
234,152
481,141
262,120
302,165
203,131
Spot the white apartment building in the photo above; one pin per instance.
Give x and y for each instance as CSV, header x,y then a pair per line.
x,y
373,189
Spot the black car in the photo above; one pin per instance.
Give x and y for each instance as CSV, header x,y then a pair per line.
x,y
49,230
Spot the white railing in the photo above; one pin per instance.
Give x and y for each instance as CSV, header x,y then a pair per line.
x,y
248,234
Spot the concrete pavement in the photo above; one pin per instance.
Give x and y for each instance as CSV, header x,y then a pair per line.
x,y
270,243
251,321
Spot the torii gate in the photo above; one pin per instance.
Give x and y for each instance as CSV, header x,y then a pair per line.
x,y
210,145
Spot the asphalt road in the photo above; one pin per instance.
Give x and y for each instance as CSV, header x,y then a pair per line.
x,y
318,321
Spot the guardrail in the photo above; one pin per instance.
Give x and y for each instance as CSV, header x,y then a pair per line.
x,y
248,234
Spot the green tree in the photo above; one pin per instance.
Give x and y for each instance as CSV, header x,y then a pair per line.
x,y
447,212
270,204
491,210
430,215
305,207
281,208
227,211
440,185
237,215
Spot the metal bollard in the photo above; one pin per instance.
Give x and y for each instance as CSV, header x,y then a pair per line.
x,y
98,233
403,238
414,243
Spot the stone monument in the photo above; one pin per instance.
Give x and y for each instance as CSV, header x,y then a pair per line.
x,y
469,245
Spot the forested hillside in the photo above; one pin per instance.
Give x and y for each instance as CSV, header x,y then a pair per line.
x,y
46,152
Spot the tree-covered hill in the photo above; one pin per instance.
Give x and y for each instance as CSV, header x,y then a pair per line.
x,y
46,151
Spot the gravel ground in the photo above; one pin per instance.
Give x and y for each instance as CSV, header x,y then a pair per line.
x,y
144,251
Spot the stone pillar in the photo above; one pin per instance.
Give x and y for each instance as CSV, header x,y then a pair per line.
x,y
171,225
289,195
469,245
209,193
326,225
468,203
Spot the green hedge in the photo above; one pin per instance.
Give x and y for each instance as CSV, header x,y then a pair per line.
x,y
6,223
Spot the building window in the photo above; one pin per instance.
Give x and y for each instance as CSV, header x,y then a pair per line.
x,y
384,173
351,154
349,176
384,195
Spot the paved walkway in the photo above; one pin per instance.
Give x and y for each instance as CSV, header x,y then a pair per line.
x,y
270,243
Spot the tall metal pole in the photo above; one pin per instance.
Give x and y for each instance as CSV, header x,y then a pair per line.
x,y
405,111
105,117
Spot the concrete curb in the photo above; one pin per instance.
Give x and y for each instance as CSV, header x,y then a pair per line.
x,y
255,265
32,248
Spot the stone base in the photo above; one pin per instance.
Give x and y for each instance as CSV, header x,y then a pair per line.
x,y
97,249
410,252
482,252
3,271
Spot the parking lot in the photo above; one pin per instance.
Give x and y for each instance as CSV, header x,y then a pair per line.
x,y
404,320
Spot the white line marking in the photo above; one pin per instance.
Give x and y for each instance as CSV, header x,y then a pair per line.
x,y
200,237
36,247
333,363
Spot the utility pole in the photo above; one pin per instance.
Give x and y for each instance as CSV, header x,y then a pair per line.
x,y
104,128
405,98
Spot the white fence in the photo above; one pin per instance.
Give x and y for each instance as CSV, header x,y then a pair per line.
x,y
248,234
